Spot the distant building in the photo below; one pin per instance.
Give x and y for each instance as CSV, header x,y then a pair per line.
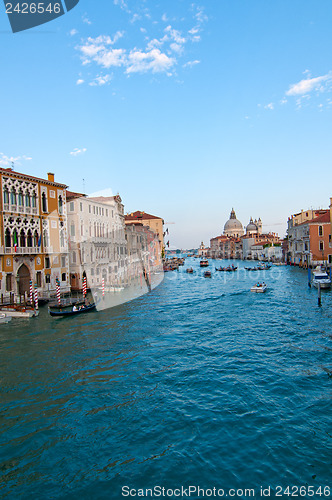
x,y
97,242
155,223
33,231
203,251
308,237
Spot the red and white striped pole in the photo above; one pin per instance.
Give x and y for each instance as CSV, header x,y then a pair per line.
x,y
103,286
36,297
58,295
84,287
31,293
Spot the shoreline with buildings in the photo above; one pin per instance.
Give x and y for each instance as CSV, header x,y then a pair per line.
x,y
308,242
58,242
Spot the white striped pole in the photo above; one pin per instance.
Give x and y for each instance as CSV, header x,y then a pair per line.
x,y
103,286
31,293
58,295
36,297
84,286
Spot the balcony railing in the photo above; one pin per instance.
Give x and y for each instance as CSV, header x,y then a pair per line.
x,y
22,250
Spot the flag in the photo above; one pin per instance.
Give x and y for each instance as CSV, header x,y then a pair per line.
x,y
15,241
39,241
167,244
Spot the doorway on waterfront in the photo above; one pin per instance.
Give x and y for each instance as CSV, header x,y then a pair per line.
x,y
23,280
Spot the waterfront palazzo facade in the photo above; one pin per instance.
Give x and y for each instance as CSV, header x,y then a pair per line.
x,y
33,232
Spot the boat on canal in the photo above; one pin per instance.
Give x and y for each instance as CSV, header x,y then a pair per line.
x,y
204,263
71,310
259,287
18,311
190,270
4,318
207,274
321,278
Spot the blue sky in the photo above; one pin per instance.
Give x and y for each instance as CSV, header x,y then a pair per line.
x,y
185,108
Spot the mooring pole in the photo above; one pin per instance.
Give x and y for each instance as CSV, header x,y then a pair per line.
x,y
319,295
309,277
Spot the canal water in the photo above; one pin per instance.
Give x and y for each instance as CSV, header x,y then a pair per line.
x,y
199,383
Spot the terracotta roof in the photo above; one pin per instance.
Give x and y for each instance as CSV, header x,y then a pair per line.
x,y
137,216
10,171
325,217
322,218
70,195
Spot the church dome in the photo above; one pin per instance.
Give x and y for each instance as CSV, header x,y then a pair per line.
x,y
251,227
233,227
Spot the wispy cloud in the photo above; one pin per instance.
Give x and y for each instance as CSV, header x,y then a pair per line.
x,y
73,32
190,64
79,81
77,151
101,80
306,86
269,106
161,53
85,19
9,160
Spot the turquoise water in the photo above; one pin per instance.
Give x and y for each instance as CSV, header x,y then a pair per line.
x,y
200,383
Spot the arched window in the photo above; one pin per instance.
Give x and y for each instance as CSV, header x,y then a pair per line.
x,y
29,239
45,238
5,195
44,203
62,239
33,200
35,239
60,205
13,197
7,238
20,198
22,238
27,200
15,238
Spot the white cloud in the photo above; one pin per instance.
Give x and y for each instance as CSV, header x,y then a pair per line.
x,y
190,64
77,151
6,161
79,81
101,80
309,84
86,20
269,106
154,60
73,32
158,54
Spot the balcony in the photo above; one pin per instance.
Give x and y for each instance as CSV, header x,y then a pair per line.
x,y
21,250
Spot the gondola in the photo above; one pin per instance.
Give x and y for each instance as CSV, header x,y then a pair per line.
x,y
71,310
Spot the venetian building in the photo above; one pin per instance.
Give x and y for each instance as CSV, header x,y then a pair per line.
x,y
33,232
233,227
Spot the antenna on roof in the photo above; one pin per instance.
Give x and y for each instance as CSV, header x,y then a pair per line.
x,y
83,186
12,165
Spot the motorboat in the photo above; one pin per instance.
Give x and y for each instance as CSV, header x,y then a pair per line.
x,y
207,274
321,278
4,318
19,311
204,263
259,288
190,270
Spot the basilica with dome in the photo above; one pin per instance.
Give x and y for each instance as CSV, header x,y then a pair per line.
x,y
233,227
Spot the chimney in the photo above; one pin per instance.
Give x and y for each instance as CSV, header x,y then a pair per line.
x,y
50,176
